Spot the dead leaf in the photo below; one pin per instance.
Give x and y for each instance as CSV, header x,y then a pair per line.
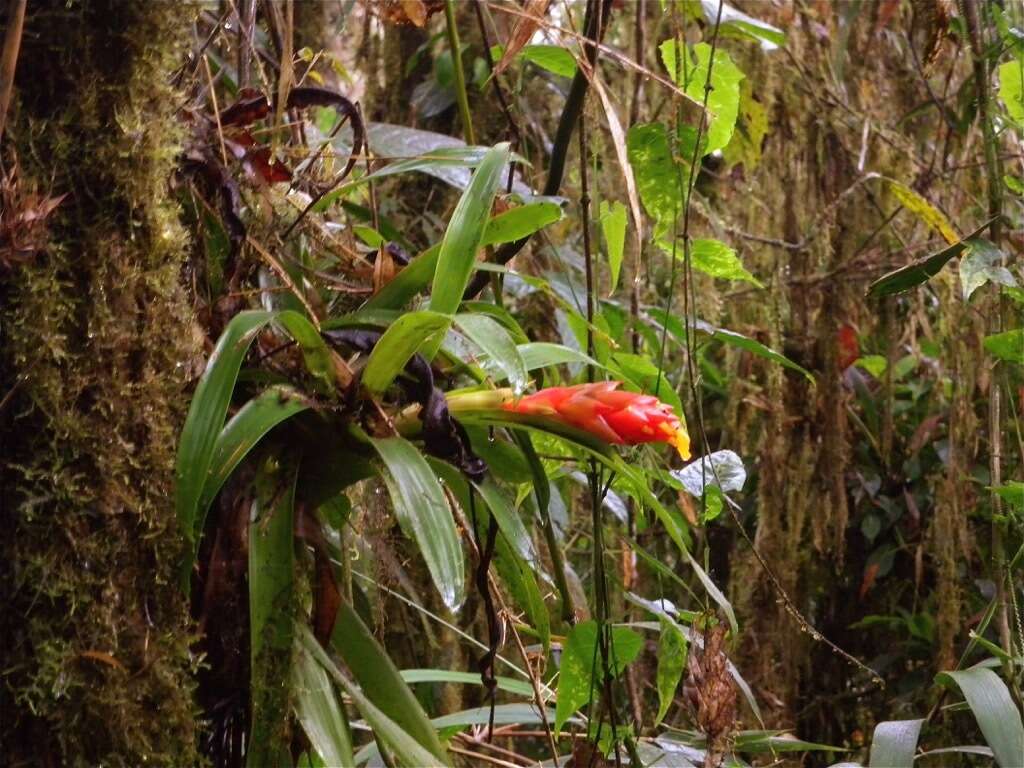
x,y
526,25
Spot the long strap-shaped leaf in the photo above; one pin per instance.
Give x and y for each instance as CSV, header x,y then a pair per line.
x,y
380,679
993,707
272,605
894,744
423,513
317,708
408,750
206,415
462,238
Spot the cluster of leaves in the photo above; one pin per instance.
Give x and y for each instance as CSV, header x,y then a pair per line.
x,y
366,367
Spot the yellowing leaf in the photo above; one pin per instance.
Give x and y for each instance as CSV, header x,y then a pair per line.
x,y
924,210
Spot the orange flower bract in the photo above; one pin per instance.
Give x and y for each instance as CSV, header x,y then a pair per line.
x,y
603,410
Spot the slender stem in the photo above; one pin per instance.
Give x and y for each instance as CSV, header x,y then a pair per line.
x,y
460,76
972,10
588,256
9,61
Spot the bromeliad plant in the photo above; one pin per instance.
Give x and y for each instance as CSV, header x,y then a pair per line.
x,y
262,493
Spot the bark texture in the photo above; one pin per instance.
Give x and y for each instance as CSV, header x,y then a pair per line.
x,y
96,342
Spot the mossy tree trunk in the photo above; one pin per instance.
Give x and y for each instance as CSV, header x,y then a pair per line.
x,y
96,342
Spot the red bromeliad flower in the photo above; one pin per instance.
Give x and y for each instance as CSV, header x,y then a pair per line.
x,y
613,415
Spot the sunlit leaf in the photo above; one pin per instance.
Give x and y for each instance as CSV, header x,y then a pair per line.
x,y
522,221
492,338
1008,345
724,97
612,218
1011,88
553,58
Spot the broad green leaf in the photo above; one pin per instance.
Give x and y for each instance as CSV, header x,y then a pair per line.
x,y
579,679
724,97
919,271
523,221
982,263
873,364
380,679
642,374
553,58
508,519
492,338
409,751
659,176
672,652
894,743
315,353
1012,493
715,258
751,128
1011,88
612,218
318,711
423,513
457,257
924,210
511,685
541,354
245,429
1008,345
994,709
204,423
272,606
400,342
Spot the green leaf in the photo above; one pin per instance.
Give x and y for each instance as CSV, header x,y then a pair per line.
x,y
553,58
724,97
403,339
658,174
894,744
715,258
508,519
1008,345
1012,493
747,26
504,714
408,750
915,273
511,685
994,709
982,263
777,741
672,652
541,354
492,338
612,218
407,283
457,257
873,364
380,679
1011,88
272,605
579,676
317,709
245,429
206,419
315,352
423,513
520,222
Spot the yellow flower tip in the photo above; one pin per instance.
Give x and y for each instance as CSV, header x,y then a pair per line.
x,y
681,441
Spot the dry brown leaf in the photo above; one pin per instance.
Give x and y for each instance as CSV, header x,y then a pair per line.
x,y
527,24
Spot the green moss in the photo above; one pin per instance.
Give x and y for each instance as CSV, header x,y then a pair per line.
x,y
97,332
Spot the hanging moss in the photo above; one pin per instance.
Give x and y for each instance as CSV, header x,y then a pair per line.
x,y
96,335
